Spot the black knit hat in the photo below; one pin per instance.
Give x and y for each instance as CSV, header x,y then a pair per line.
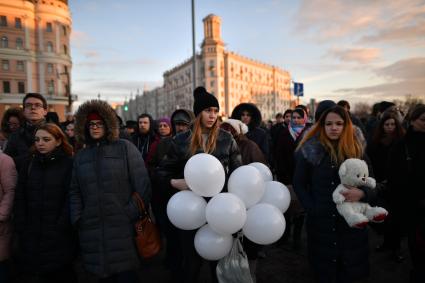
x,y
203,100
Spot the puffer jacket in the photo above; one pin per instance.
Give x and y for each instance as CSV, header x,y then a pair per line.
x,y
105,175
46,241
330,240
7,192
172,165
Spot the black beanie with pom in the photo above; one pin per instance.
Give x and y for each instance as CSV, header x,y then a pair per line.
x,y
203,100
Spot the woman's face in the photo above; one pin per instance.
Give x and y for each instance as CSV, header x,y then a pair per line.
x,y
389,126
297,119
419,124
209,117
334,125
163,129
97,129
13,123
45,142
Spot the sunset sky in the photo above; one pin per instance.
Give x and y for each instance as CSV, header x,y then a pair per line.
x,y
357,50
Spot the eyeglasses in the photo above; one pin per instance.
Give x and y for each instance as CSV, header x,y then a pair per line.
x,y
33,105
94,125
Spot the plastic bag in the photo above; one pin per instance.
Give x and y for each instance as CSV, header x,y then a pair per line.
x,y
234,267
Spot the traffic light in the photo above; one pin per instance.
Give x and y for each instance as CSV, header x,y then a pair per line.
x,y
125,107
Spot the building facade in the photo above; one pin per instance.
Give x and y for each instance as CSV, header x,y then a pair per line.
x,y
35,52
232,78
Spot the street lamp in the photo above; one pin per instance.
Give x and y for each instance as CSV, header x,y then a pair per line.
x,y
68,88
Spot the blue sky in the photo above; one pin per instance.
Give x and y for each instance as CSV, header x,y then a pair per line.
x,y
357,50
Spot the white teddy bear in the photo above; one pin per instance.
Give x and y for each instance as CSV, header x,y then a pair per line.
x,y
354,172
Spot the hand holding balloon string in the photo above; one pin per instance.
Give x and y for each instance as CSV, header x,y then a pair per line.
x,y
179,184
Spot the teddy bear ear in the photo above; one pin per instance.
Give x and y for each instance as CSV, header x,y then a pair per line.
x,y
343,169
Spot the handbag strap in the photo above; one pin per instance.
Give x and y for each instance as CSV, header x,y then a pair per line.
x,y
140,205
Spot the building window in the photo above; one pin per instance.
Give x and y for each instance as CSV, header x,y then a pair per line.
x,y
65,49
3,21
19,43
51,87
6,87
49,46
212,83
50,68
4,42
20,66
5,65
49,27
18,23
21,87
64,30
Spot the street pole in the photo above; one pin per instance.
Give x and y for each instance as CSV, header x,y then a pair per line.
x,y
68,91
193,48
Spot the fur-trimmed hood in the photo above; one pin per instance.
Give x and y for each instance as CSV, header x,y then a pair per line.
x,y
253,109
313,151
105,111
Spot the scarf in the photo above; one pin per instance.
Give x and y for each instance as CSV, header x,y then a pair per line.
x,y
295,130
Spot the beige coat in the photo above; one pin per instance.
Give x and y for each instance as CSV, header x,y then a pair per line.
x,y
8,177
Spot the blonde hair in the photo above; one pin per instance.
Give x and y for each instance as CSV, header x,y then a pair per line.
x,y
348,145
196,141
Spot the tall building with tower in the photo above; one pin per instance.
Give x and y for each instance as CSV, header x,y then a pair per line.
x,y
231,77
35,52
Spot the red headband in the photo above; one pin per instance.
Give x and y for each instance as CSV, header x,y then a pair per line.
x,y
94,116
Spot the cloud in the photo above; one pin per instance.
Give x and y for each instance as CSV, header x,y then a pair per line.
x,y
126,63
358,55
406,77
91,54
79,38
364,21
408,69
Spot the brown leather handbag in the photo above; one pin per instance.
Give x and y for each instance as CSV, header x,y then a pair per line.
x,y
148,239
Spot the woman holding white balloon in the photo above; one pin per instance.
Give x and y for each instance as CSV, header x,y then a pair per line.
x,y
204,137
337,252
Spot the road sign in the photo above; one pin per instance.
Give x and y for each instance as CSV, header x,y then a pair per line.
x,y
298,89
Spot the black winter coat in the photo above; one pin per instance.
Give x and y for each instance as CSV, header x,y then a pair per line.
x,y
172,165
330,239
406,180
41,214
103,179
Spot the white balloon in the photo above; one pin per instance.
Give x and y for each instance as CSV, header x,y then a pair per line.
x,y
204,175
246,182
186,210
226,213
264,224
277,194
264,170
211,245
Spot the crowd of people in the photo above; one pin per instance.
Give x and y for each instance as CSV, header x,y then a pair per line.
x,y
67,189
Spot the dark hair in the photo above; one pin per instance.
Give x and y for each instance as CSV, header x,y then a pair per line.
x,y
144,115
299,111
52,117
379,130
418,110
303,107
58,134
344,103
375,109
288,111
278,115
11,112
37,96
